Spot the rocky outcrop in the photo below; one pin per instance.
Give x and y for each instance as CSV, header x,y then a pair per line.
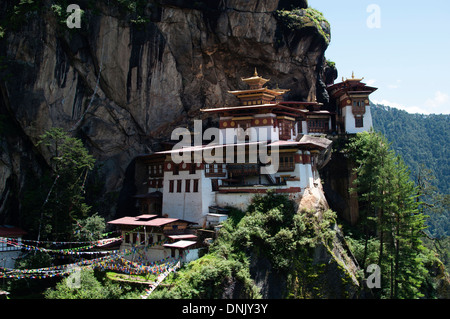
x,y
122,87
338,178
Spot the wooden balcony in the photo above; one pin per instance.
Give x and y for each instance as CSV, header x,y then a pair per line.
x,y
235,170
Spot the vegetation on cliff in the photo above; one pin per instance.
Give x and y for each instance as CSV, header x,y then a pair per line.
x,y
270,229
296,19
391,226
56,204
389,234
422,141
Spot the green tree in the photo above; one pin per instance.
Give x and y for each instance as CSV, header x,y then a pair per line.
x,y
64,203
389,211
88,287
90,228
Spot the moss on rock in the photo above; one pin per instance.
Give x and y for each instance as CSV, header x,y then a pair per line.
x,y
298,19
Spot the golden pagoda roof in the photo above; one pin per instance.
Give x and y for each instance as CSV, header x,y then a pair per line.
x,y
255,79
274,92
281,91
353,78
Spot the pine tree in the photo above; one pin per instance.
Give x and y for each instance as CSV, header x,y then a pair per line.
x,y
65,202
389,213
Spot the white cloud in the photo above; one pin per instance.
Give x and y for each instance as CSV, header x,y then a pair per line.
x,y
371,82
440,101
407,108
439,104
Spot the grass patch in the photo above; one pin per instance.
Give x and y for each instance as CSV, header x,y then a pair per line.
x,y
130,278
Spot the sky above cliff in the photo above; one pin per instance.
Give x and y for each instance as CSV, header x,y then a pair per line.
x,y
401,47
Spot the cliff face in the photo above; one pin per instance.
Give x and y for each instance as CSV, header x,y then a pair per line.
x,y
123,87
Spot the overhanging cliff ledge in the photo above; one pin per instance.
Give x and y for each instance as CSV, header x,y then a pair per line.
x,y
126,78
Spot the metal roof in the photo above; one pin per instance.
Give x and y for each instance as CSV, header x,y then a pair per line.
x,y
145,221
182,236
181,244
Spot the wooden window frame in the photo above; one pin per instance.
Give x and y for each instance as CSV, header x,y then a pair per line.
x,y
359,121
195,186
287,163
187,186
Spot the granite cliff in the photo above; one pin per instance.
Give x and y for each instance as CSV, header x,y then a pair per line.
x,y
127,77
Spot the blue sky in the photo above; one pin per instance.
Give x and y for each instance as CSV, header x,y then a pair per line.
x,y
407,58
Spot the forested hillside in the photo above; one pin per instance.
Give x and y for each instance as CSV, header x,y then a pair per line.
x,y
422,141
419,139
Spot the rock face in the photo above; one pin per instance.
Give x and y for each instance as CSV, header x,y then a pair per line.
x,y
123,87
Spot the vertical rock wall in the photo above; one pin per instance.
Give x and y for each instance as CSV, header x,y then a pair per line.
x,y
123,87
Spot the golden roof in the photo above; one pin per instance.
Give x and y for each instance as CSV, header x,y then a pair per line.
x,y
353,78
255,79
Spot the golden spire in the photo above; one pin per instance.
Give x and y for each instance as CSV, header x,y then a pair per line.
x,y
353,77
256,81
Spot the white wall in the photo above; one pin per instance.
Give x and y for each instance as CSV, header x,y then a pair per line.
x,y
304,127
257,134
237,200
187,206
190,255
8,258
350,120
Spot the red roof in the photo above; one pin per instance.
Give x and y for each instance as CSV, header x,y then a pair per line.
x,y
144,220
10,231
139,222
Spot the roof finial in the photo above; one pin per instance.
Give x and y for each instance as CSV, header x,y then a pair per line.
x,y
256,72
353,74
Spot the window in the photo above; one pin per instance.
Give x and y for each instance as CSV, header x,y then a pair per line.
x,y
195,190
359,121
188,186
171,184
192,169
155,170
359,107
179,185
176,169
215,185
318,125
214,170
285,129
287,163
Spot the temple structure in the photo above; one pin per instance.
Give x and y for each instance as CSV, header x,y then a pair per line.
x,y
262,143
10,245
291,132
351,100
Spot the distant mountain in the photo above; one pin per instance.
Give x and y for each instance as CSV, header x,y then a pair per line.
x,y
419,139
